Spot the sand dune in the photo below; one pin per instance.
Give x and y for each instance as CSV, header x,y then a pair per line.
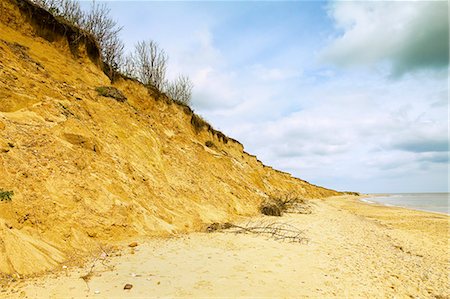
x,y
355,250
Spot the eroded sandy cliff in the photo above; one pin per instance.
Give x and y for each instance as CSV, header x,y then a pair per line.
x,y
88,170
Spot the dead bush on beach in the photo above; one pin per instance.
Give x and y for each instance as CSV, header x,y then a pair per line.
x,y
275,230
271,209
276,205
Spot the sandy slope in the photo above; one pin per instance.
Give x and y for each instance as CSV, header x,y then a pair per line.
x,y
352,252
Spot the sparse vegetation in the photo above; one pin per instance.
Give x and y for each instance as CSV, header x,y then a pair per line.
x,y
180,90
66,9
96,22
199,123
111,92
6,195
147,63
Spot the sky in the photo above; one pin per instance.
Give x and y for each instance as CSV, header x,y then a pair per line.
x,y
348,95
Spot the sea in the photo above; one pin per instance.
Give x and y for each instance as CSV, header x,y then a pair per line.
x,y
431,202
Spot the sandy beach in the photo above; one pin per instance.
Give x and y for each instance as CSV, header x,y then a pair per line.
x,y
354,250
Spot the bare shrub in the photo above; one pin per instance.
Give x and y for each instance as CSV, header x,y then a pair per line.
x,y
98,23
180,90
67,9
105,30
276,205
149,64
71,11
113,56
271,209
128,68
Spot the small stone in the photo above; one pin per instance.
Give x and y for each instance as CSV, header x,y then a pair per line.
x,y
128,286
133,244
96,292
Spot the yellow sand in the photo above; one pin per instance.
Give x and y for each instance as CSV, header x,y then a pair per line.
x,y
355,250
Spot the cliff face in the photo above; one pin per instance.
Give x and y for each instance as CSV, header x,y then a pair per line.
x,y
88,170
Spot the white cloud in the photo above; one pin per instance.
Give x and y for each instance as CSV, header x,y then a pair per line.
x,y
407,36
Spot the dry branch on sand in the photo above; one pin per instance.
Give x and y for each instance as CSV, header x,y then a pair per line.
x,y
102,258
279,231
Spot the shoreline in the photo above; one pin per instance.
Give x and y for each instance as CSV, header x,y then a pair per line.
x,y
355,249
366,199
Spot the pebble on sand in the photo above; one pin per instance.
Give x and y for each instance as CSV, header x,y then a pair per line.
x,y
133,244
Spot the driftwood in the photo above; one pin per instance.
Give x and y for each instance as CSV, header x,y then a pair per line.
x,y
275,230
